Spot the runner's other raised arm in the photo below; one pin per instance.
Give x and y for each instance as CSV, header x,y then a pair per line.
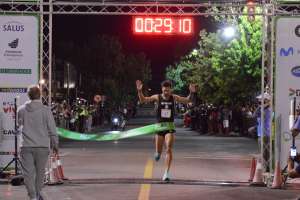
x,y
142,98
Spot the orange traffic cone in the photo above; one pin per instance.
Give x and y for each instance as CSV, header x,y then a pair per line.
x,y
54,178
252,170
277,182
60,168
258,177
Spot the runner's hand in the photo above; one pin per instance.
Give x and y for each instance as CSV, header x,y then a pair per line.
x,y
139,85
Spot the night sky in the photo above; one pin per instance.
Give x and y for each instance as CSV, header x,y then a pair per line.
x,y
160,50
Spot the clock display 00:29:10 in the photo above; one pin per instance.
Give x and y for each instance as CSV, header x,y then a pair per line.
x,y
163,25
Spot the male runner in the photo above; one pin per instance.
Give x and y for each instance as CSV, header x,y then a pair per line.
x,y
165,113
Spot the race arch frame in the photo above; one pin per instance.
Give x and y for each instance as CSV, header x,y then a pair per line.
x,y
47,8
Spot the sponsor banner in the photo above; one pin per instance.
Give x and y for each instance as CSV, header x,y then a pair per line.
x,y
18,50
287,88
7,106
19,68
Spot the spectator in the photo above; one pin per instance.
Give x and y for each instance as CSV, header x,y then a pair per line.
x,y
266,132
203,118
225,119
214,115
194,116
38,133
187,117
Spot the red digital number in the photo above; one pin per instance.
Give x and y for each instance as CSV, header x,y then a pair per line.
x,y
139,25
163,25
148,25
187,25
168,25
158,25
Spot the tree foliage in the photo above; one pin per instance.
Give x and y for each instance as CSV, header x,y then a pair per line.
x,y
227,71
104,67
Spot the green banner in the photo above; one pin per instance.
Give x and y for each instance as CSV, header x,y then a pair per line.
x,y
23,0
116,135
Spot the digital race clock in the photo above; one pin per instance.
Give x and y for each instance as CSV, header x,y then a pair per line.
x,y
163,25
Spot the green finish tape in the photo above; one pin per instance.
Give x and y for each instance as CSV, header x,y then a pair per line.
x,y
116,135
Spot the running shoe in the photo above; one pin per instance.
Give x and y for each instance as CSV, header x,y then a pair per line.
x,y
166,176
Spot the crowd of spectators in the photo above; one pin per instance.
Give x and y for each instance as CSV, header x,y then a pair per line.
x,y
237,120
82,116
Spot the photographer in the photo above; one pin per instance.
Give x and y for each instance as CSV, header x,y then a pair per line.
x,y
264,132
194,114
294,173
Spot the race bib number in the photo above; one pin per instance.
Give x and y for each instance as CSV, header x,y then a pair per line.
x,y
165,113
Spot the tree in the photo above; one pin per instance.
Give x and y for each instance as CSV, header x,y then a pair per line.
x,y
105,68
226,71
175,73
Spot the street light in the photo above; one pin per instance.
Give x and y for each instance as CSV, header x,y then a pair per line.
x,y
194,52
229,32
68,83
42,82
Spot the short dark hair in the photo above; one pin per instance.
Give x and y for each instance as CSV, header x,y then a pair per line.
x,y
166,83
34,92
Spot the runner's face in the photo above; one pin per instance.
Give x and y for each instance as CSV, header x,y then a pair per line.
x,y
167,91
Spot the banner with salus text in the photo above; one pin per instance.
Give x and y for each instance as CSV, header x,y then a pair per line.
x,y
19,68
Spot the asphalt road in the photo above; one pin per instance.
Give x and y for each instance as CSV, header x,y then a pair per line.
x,y
125,170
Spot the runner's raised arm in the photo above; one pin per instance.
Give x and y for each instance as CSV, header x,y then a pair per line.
x,y
187,99
142,98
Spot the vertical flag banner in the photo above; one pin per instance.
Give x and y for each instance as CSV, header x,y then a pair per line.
x,y
287,88
19,68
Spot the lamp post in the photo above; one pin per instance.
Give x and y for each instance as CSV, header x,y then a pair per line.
x,y
68,83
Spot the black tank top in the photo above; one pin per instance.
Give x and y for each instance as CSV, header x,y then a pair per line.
x,y
165,109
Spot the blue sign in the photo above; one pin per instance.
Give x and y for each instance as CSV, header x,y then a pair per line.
x,y
296,71
286,52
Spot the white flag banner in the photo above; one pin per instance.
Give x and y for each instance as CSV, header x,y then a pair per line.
x,y
7,102
19,44
19,68
287,79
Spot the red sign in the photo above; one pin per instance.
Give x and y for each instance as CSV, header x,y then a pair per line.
x,y
163,25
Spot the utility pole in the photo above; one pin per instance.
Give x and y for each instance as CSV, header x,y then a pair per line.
x,y
68,83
